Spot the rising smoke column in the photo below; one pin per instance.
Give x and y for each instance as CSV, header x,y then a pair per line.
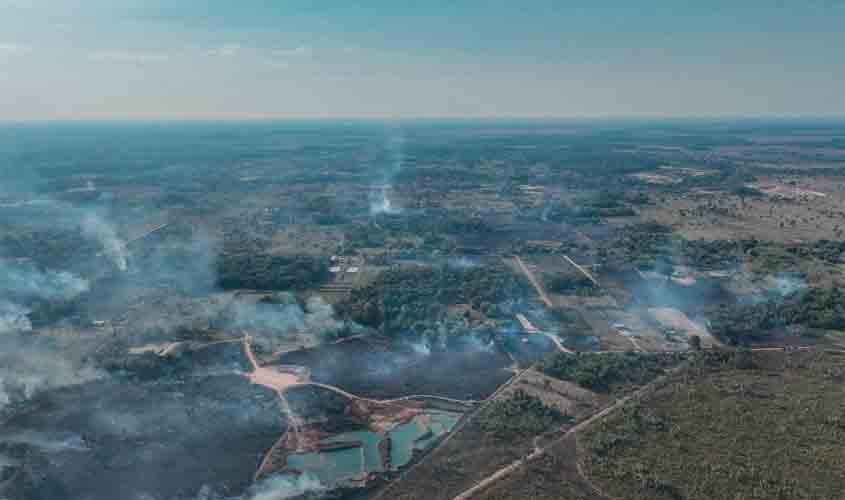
x,y
380,202
273,323
97,228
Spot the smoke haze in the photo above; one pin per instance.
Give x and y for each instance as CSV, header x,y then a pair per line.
x,y
380,192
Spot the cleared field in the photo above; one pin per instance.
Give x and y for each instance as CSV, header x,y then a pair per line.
x,y
807,209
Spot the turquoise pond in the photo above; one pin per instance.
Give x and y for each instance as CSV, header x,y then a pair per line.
x,y
370,440
416,435
338,466
330,467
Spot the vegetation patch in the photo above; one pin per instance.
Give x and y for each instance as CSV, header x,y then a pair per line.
x,y
521,416
815,308
417,299
610,372
270,272
773,430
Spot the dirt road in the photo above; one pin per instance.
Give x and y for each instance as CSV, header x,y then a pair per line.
x,y
349,395
463,423
533,279
539,451
582,270
278,382
554,338
140,237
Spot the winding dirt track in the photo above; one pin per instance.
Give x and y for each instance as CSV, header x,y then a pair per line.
x,y
465,402
280,382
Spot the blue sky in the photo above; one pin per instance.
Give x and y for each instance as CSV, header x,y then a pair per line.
x,y
146,59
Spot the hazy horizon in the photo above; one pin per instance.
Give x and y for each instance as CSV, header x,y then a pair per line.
x,y
171,60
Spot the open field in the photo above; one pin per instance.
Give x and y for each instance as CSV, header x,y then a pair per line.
x,y
554,476
786,210
771,431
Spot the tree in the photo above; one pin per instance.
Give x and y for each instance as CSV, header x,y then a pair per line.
x,y
695,342
743,359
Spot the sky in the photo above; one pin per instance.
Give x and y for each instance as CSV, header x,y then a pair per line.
x,y
276,59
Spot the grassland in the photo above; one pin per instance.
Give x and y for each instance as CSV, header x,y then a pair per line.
x,y
774,431
553,476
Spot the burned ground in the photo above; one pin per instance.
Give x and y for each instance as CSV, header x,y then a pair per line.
x,y
469,369
119,439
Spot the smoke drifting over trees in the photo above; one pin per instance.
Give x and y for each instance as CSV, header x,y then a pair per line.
x,y
380,192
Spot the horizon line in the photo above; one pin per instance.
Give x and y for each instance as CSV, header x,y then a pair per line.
x,y
425,118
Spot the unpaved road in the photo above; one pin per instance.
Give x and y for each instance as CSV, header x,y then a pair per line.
x,y
466,402
539,451
281,381
554,338
463,423
533,279
581,270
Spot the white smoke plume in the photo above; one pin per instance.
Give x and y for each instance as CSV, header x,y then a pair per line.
x,y
24,280
282,487
51,443
319,317
785,285
285,487
281,318
380,202
275,322
420,347
115,249
28,367
13,318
